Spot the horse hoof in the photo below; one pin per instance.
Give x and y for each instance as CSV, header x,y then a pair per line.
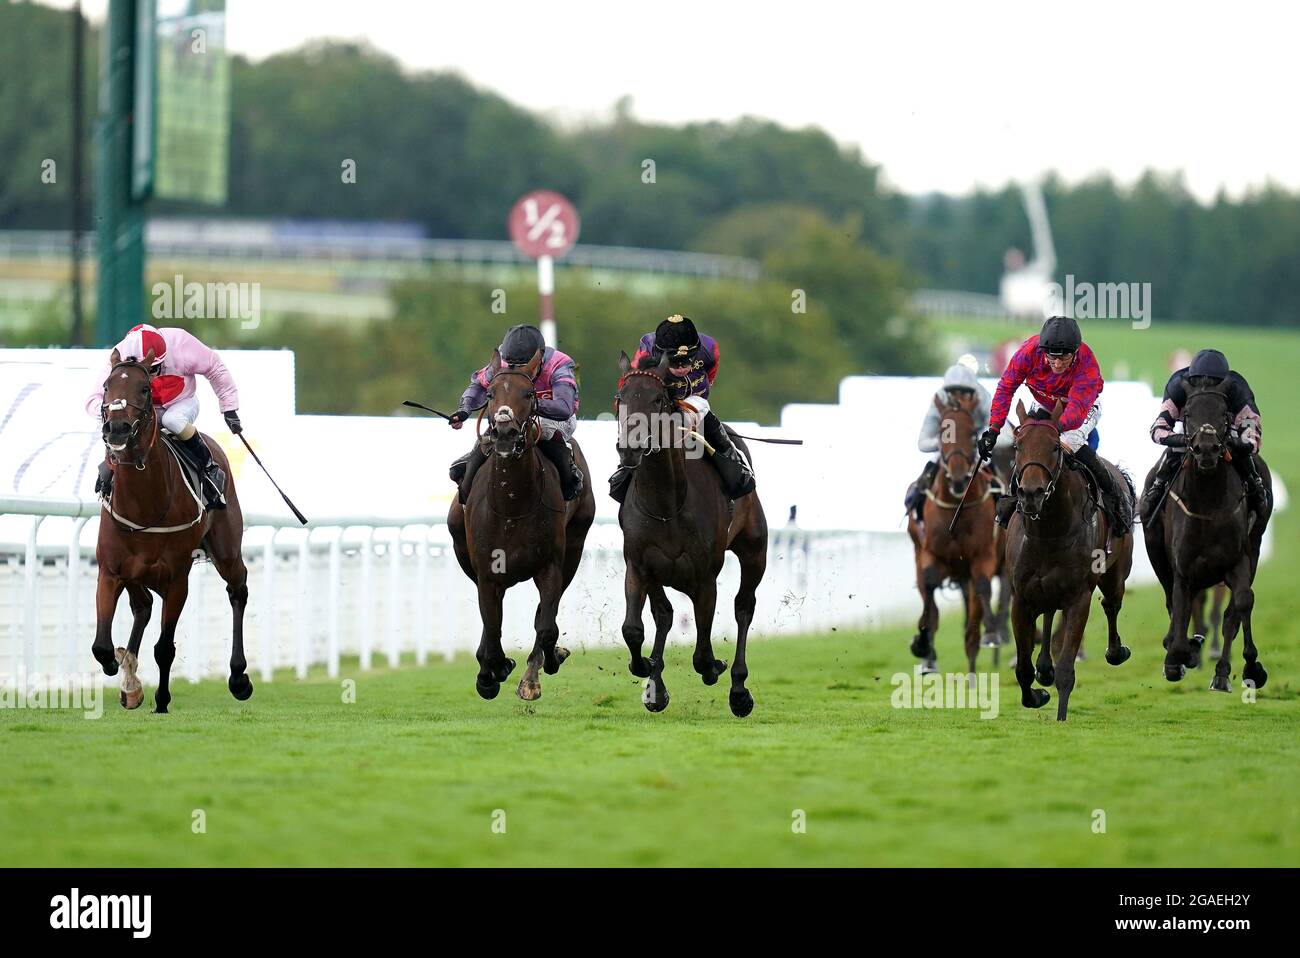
x,y
1220,683
920,647
110,667
928,667
642,671
1036,699
655,699
131,700
529,692
1119,655
487,689
742,703
1045,676
502,671
1175,673
1254,672
710,675
241,686
990,640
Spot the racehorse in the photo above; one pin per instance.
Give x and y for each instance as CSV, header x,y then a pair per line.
x,y
516,526
1209,626
677,526
148,533
1059,548
1205,534
969,553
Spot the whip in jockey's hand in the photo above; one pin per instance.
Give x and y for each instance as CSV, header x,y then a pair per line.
x,y
1209,368
178,358
986,443
556,388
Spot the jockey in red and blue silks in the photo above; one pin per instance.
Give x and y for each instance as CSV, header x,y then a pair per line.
x,y
692,368
1058,366
556,386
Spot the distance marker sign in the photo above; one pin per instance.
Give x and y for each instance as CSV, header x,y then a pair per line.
x,y
543,223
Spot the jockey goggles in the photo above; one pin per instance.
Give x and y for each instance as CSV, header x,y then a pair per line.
x,y
1057,352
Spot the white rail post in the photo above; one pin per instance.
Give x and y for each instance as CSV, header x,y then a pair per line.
x,y
422,598
71,611
303,635
336,585
199,657
31,602
394,598
365,633
268,607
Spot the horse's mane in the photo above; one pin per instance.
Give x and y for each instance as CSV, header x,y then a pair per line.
x,y
1039,413
645,362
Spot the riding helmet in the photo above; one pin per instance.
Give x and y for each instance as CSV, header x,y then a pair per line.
x,y
1209,363
139,340
677,337
1060,334
959,377
521,344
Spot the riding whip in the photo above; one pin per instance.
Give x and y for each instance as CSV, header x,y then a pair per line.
x,y
292,507
969,482
420,405
779,442
1155,511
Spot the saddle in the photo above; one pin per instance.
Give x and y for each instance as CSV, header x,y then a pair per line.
x,y
193,475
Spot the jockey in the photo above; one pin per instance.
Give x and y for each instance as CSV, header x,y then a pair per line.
x,y
556,386
1208,368
692,367
1057,365
177,358
959,382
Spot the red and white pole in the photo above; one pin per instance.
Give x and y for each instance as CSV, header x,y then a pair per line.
x,y
546,288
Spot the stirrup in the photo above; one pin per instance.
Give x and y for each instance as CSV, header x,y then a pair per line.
x,y
214,479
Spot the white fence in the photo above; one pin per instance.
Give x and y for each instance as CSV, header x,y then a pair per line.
x,y
376,589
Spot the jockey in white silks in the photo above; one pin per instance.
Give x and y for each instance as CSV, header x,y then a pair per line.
x,y
959,381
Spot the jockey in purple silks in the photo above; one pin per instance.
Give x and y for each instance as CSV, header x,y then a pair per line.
x,y
556,386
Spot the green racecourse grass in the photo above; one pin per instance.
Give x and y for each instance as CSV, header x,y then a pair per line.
x,y
411,773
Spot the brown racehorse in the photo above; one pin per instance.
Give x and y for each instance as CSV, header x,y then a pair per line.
x,y
969,554
678,525
1206,533
1059,548
516,526
148,535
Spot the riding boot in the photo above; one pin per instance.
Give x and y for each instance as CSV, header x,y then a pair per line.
x,y
619,483
914,501
1165,473
463,469
214,478
104,484
737,475
1256,491
1115,500
561,453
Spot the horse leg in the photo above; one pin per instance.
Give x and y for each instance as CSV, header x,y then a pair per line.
x,y
1221,680
655,698
1178,651
752,568
130,691
975,612
1043,667
164,652
550,583
928,578
1243,603
1074,619
1112,600
108,590
706,600
1022,626
493,666
634,594
1216,620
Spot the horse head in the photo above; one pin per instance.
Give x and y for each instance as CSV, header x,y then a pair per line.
x,y
644,408
957,441
1205,417
127,411
1039,457
512,404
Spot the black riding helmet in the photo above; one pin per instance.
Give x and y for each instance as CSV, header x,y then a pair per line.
x,y
676,336
1060,335
521,344
1211,364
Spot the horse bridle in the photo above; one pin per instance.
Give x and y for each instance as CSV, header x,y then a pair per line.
x,y
1052,474
146,413
1208,428
944,457
655,447
522,444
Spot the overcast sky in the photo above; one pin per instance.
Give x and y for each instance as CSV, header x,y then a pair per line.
x,y
943,95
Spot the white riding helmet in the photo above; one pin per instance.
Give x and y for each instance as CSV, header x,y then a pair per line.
x,y
959,376
970,362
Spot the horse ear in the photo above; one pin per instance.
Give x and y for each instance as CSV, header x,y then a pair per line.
x,y
937,404
534,364
1020,410
1056,412
495,363
148,359
115,358
662,369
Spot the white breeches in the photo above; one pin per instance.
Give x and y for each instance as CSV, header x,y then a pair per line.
x,y
564,427
698,408
180,415
1075,439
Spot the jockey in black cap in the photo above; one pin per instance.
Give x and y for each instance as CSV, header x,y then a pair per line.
x,y
556,386
692,367
1208,368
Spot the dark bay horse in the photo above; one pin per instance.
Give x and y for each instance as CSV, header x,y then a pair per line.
x,y
969,554
148,535
1204,534
516,526
1059,548
678,525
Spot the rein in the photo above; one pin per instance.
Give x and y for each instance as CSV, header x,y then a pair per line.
x,y
651,374
1053,475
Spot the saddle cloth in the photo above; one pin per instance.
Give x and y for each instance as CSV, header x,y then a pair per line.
x,y
190,471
